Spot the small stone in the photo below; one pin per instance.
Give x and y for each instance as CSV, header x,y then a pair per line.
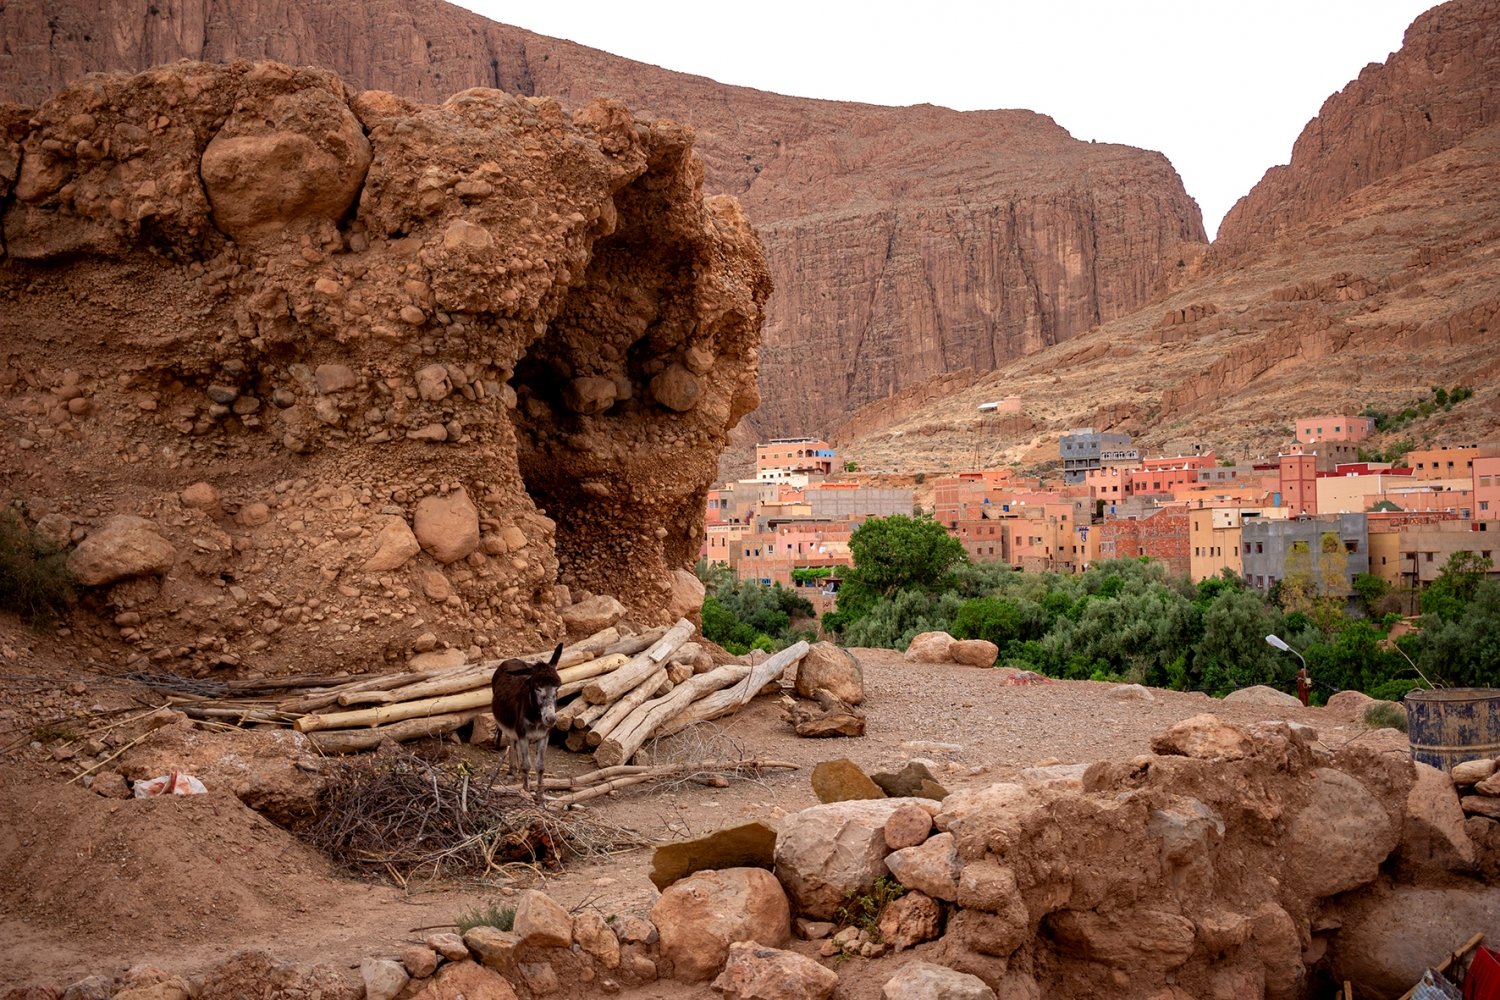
x,y
541,922
419,960
842,781
447,944
908,826
383,978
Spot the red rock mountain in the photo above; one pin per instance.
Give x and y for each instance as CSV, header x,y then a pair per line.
x,y
1362,275
1442,86
903,242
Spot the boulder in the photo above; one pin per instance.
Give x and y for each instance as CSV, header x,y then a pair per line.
x,y
828,667
448,944
541,922
1489,786
750,845
1472,772
1131,939
467,981
1338,840
974,652
433,383
125,546
997,799
592,615
676,388
842,780
589,394
1349,705
204,497
1481,805
419,961
930,867
686,599
1383,951
447,527
906,783
908,826
755,972
1262,695
926,981
912,919
700,916
1204,737
282,158
492,946
597,939
1131,692
930,647
394,545
383,978
1055,776
828,851
1433,836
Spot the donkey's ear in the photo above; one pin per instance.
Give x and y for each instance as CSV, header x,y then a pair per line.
x,y
556,655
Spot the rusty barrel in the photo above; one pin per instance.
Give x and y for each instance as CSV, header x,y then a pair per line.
x,y
1452,725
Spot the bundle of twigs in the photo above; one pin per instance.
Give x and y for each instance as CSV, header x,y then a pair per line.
x,y
402,817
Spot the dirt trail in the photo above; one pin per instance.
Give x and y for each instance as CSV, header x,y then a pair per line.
x,y
90,885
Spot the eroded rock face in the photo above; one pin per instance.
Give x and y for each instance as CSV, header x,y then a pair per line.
x,y
1438,89
384,302
701,916
891,272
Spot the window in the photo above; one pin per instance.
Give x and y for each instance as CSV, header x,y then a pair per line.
x,y
1484,505
1259,548
1429,556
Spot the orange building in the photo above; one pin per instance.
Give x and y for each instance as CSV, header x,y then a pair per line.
x,y
787,457
1297,482
1449,463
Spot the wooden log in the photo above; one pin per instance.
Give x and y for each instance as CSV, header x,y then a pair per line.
x,y
633,731
731,699
632,644
587,715
686,653
575,740
575,679
461,702
367,739
645,663
619,710
584,650
311,701
564,718
679,672
450,681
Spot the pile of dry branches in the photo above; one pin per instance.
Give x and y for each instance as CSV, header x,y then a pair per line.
x,y
397,815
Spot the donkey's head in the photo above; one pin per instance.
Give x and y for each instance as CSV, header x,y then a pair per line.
x,y
544,682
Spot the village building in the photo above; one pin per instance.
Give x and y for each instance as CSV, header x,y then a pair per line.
x,y
1335,427
1330,549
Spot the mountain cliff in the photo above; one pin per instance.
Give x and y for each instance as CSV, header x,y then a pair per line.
x,y
903,242
1440,87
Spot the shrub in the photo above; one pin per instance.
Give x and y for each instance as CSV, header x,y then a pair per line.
x,y
992,618
501,918
34,579
1394,689
1386,716
863,909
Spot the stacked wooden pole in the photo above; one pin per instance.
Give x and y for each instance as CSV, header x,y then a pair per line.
x,y
617,693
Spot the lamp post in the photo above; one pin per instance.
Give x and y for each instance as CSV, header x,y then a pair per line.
x,y
1304,683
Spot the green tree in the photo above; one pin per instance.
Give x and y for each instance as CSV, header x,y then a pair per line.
x,y
1233,652
1456,584
993,618
1465,649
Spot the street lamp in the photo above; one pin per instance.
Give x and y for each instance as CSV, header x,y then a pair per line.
x,y
1303,682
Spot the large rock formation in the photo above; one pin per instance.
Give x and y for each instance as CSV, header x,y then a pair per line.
x,y
904,242
325,347
1368,259
1442,86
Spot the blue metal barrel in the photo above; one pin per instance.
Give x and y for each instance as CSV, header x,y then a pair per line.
x,y
1452,725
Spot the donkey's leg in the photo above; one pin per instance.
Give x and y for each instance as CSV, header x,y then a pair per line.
x,y
541,765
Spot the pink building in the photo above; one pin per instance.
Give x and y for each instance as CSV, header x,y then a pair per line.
x,y
1486,490
1335,427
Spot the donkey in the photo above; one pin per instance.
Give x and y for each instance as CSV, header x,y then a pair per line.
x,y
524,700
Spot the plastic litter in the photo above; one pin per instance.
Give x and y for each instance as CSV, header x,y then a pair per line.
x,y
171,783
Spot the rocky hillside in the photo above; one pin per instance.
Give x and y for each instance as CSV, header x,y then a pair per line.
x,y
903,242
1443,85
309,374
1359,292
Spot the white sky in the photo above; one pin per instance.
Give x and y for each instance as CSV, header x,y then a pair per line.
x,y
1222,87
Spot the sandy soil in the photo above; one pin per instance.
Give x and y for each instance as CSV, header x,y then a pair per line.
x,y
91,885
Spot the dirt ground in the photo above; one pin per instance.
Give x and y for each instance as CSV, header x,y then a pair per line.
x,y
92,885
